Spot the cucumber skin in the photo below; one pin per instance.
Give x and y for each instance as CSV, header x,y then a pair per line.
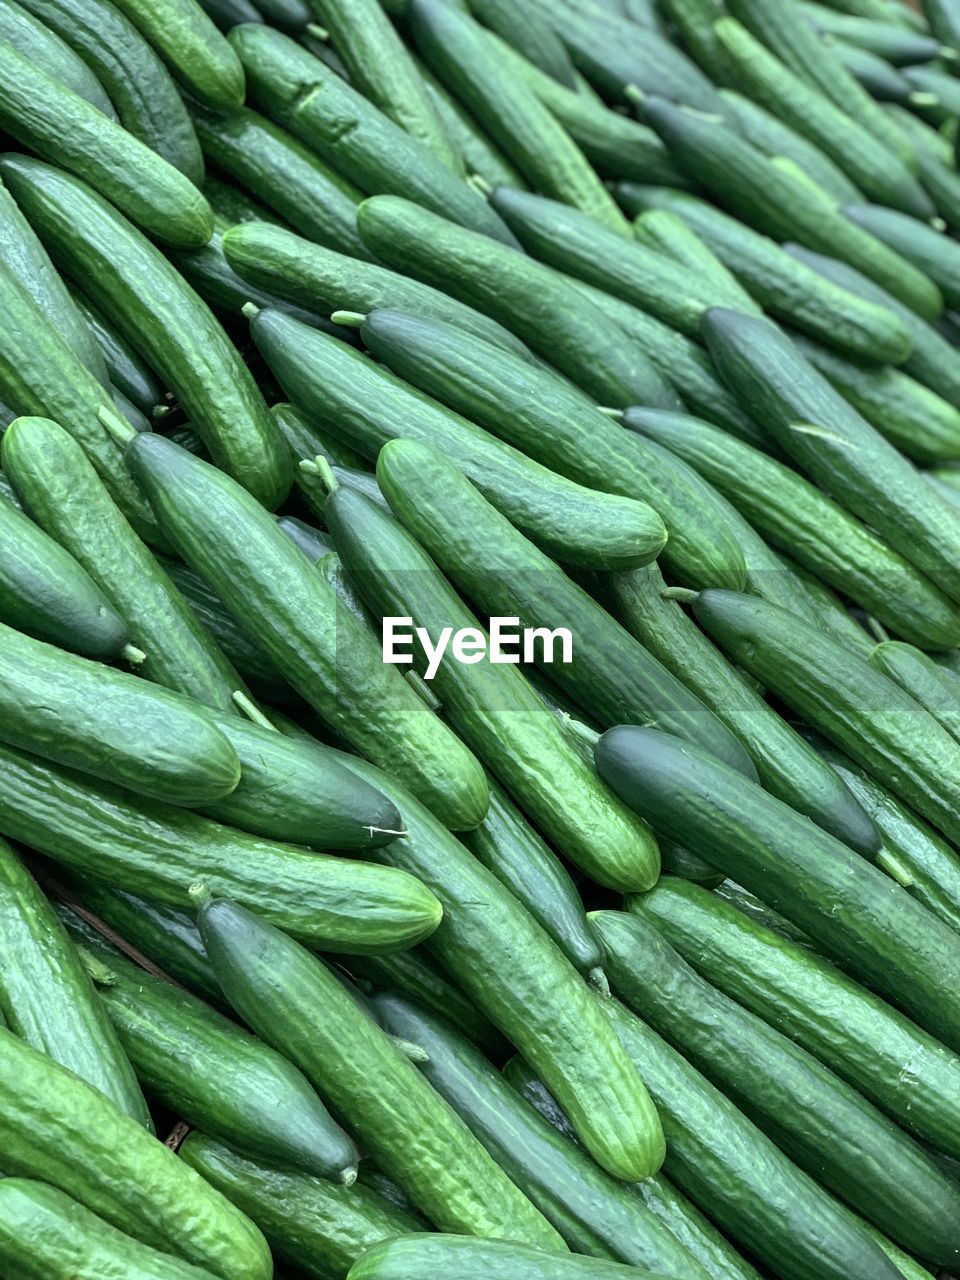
x,y
882,936
412,1256
194,50
36,39
929,250
59,1129
126,371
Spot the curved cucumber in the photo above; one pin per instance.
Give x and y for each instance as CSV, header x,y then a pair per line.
x,y
192,47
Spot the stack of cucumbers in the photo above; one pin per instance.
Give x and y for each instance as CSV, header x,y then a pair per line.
x,y
479,640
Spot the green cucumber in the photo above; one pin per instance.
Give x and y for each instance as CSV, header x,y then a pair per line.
x,y
314,543
364,405
781,285
938,171
781,203
595,1214
835,446
807,525
787,766
314,1225
931,251
39,41
665,233
408,1257
46,1235
751,906
460,53
693,21
304,95
821,1122
895,44
544,416
476,153
293,1001
851,909
127,372
881,80
191,46
322,650
158,852
943,17
531,36
230,205
284,174
889,1059
509,846
305,442
204,1068
168,324
227,13
921,677
140,88
937,95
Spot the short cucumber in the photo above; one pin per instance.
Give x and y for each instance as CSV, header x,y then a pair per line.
x,y
851,909
530,35
168,324
194,50
931,251
126,370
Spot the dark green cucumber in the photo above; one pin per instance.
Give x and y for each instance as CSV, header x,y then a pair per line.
x,y
39,41
46,997
881,80
284,174
314,1225
140,88
817,1119
208,1071
293,1001
595,1214
158,852
476,153
921,677
304,95
930,251
364,405
751,906
47,1235
895,44
782,286
68,500
836,447
127,372
305,442
509,846
804,523
230,205
460,53
288,15
505,575
545,417
322,650
228,13
314,543
938,171
566,330
906,1072
192,47
851,909
530,35
694,21
780,203
787,766
943,17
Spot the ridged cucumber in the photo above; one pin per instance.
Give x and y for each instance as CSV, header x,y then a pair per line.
x,y
194,50
530,35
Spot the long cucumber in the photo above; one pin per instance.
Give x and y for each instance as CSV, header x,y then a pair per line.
x,y
930,250
127,372
895,44
530,35
39,42
194,50
411,1256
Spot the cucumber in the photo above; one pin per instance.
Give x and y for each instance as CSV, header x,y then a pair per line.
x,y
509,846
804,523
565,329
168,324
364,405
833,612
461,55
938,171
140,88
306,442
852,910
314,1225
821,1122
157,852
736,896
284,174
505,575
303,95
530,35
227,13
191,46
780,203
595,1215
825,310
473,150
314,543
664,232
928,249
694,22
895,44
207,1070
542,415
126,371
882,81
936,97
288,15
943,17
841,451
46,1235
788,768
296,1004
230,205
321,649
40,42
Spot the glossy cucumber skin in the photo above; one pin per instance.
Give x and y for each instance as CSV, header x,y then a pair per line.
x,y
852,910
38,41
168,324
46,1235
565,331
786,764
850,460
159,852
473,150
46,997
364,406
529,35
291,999
59,1129
194,50
930,251
315,1225
305,96
126,371
889,1059
408,1257
821,1122
803,522
546,418
596,1215
892,43
496,710
321,649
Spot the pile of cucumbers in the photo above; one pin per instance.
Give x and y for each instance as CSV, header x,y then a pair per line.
x,y
633,949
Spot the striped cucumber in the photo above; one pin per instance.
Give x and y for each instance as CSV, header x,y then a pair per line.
x,y
931,251
194,50
127,372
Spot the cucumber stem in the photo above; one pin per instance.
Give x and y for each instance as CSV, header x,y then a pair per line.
x,y
421,687
683,594
200,894
320,467
894,868
598,980
921,98
100,974
133,655
252,711
116,425
480,185
411,1051
348,1176
633,93
250,309
352,318
580,730
610,411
